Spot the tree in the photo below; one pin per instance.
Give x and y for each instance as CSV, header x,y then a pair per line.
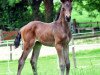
x,y
16,13
49,9
13,14
35,4
88,5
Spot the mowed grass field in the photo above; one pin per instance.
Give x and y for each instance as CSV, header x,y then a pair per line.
x,y
88,63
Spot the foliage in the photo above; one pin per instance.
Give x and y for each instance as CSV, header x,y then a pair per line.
x,y
13,14
16,13
88,5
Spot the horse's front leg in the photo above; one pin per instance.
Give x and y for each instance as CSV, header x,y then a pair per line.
x,y
66,56
59,49
34,58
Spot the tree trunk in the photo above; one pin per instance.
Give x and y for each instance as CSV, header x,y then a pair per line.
x,y
48,10
35,8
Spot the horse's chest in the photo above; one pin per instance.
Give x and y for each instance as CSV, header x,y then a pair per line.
x,y
63,37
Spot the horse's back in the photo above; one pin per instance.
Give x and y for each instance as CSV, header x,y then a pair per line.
x,y
37,30
33,24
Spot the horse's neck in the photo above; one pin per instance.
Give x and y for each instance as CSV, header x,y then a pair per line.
x,y
61,16
62,21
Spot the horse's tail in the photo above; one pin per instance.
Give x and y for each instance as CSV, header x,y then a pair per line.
x,y
17,40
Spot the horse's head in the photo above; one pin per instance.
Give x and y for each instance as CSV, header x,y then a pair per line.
x,y
67,8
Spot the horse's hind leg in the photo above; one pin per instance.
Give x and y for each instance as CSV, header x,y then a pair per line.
x,y
23,57
35,54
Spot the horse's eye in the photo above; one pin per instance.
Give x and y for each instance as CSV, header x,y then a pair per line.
x,y
67,5
71,8
63,9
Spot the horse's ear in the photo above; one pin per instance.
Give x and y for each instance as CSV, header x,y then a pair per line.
x,y
63,1
66,0
70,0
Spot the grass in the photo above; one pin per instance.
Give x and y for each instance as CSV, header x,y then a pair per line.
x,y
88,63
95,40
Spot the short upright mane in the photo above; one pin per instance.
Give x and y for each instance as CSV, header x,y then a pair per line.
x,y
57,16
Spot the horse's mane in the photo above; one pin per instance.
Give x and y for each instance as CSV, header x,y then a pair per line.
x,y
57,16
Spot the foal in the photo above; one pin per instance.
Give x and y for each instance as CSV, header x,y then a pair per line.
x,y
56,34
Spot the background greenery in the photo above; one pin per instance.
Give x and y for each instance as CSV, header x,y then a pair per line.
x,y
17,13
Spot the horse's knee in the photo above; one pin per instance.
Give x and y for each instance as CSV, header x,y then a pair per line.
x,y
21,62
68,65
33,63
62,67
34,66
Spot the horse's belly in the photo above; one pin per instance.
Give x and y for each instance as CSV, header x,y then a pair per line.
x,y
51,44
46,40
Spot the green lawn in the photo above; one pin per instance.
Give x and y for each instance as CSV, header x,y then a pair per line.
x,y
49,65
95,40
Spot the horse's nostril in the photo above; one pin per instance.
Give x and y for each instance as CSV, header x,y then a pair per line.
x,y
68,19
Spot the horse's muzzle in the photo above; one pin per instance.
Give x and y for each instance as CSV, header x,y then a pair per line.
x,y
68,18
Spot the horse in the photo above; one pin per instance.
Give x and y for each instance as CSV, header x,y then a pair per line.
x,y
55,34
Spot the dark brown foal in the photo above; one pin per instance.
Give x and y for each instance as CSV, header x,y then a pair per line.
x,y
56,34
